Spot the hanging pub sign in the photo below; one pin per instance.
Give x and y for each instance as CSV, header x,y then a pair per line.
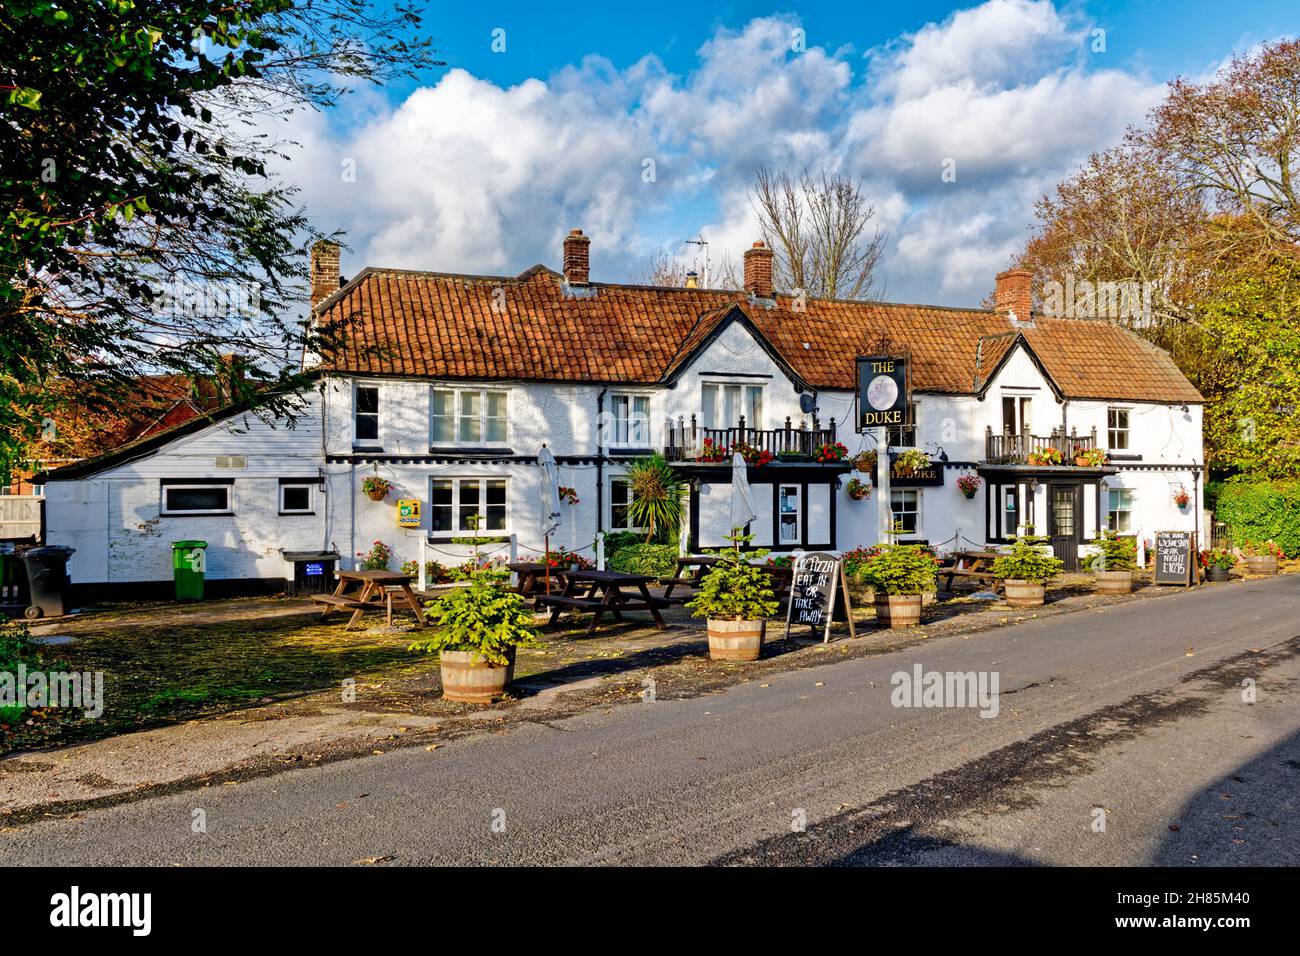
x,y
817,586
1175,558
882,391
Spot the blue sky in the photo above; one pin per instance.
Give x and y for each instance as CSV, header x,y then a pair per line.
x,y
643,124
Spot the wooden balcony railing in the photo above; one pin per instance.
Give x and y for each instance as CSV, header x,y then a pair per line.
x,y
684,439
1011,449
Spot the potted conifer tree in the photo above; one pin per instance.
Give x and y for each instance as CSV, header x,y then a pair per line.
x,y
1026,571
480,627
1114,564
736,598
900,574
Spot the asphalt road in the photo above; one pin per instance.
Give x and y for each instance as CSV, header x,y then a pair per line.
x,y
1124,735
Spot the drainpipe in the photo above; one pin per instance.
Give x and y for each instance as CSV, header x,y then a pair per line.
x,y
600,462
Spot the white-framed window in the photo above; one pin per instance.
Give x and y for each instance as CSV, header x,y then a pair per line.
x,y
722,404
631,420
1017,414
452,502
199,498
620,497
904,435
1119,516
1117,428
789,519
906,506
468,416
365,414
296,498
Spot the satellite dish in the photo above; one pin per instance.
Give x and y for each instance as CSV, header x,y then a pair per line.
x,y
807,403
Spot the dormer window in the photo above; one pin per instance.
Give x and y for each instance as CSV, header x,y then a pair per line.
x,y
723,404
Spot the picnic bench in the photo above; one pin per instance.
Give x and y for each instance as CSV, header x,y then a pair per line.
x,y
603,592
980,568
378,591
532,578
691,570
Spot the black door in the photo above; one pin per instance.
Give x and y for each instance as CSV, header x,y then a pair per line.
x,y
1065,524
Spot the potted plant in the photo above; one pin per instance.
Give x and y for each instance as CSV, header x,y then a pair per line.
x,y
1181,498
1262,557
968,485
377,558
1114,563
792,454
712,451
865,462
858,489
1025,572
752,455
1045,457
831,451
1089,457
480,627
568,494
736,599
909,462
854,563
1218,563
899,574
376,488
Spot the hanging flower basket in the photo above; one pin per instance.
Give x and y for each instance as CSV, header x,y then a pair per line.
x,y
1182,498
376,488
569,495
865,462
968,485
858,489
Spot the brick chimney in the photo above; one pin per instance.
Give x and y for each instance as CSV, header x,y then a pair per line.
x,y
577,258
758,270
1013,293
324,271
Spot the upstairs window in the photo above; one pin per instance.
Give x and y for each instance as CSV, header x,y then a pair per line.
x,y
904,435
722,405
1016,414
366,414
1117,429
631,420
468,417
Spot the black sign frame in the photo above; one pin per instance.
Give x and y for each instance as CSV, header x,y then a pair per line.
x,y
1175,543
869,369
832,591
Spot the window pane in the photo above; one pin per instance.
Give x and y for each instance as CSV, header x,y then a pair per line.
x,y
620,407
471,428
619,498
731,410
709,406
367,427
367,398
496,505
443,431
440,506
754,407
496,416
197,499
295,498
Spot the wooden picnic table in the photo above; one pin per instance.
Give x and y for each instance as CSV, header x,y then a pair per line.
x,y
971,564
691,571
532,578
604,592
378,589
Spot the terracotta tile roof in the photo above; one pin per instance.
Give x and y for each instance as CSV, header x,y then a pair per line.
x,y
530,327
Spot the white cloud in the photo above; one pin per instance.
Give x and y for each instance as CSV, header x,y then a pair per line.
x,y
465,175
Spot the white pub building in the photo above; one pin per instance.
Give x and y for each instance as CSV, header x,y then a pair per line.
x,y
454,383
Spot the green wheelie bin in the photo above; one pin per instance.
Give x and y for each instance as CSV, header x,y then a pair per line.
x,y
189,560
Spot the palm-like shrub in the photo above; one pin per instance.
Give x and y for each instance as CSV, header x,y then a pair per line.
x,y
657,494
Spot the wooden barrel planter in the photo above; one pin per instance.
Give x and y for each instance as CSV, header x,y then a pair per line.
x,y
898,610
1024,593
1113,582
736,640
1217,574
468,679
1261,564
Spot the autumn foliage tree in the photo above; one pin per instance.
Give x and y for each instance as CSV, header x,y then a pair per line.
x,y
1199,208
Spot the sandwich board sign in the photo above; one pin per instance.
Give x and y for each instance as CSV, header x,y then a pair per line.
x,y
818,584
1175,558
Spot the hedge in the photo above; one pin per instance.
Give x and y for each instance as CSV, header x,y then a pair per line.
x,y
1262,511
659,560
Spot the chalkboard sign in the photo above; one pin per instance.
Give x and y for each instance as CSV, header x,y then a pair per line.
x,y
818,583
1175,558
